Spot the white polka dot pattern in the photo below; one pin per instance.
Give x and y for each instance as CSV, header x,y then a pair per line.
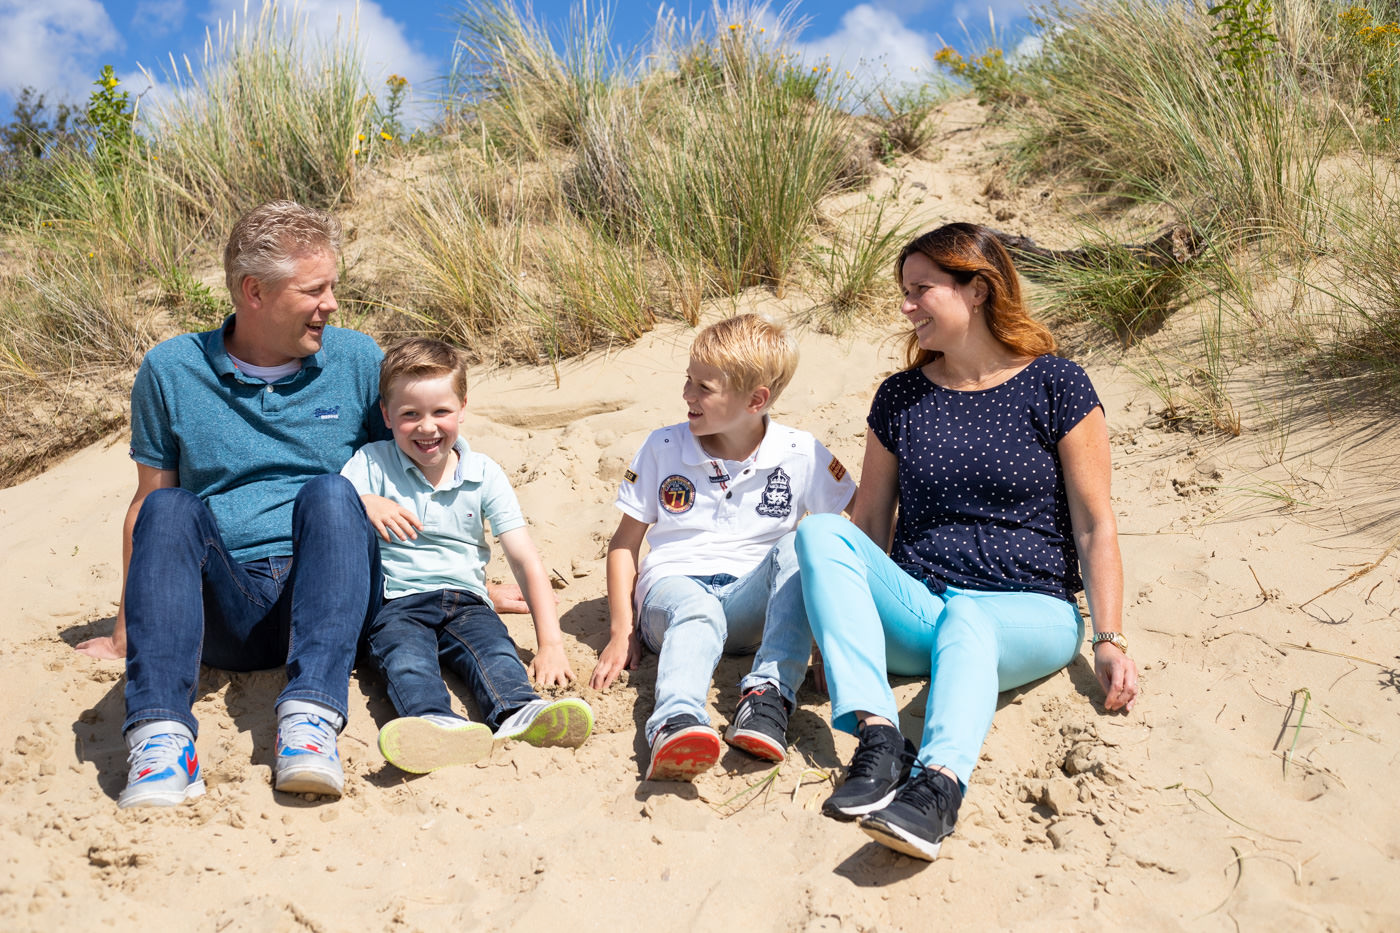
x,y
982,500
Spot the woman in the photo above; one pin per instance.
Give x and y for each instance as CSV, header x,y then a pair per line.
x,y
996,454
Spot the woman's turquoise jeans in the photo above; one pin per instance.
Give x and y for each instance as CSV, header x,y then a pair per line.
x,y
871,619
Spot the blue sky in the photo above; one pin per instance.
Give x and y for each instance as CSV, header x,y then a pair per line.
x,y
59,46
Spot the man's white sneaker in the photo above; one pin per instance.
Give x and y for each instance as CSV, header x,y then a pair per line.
x,y
164,772
307,759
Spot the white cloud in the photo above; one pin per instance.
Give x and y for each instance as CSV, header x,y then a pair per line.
x,y
50,46
384,47
874,45
158,18
383,44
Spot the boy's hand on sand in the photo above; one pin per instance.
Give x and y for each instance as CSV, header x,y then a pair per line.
x,y
105,647
387,516
551,667
1118,675
617,656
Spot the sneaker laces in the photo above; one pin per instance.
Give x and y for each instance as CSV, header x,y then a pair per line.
x,y
158,751
924,791
307,731
872,750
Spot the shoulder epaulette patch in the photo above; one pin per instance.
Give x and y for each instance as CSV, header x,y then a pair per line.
x,y
837,471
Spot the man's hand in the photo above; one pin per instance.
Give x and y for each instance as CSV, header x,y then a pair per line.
x,y
507,597
104,647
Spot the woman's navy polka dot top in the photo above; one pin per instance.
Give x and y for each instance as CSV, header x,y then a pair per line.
x,y
982,502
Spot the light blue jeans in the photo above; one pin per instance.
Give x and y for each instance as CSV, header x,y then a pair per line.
x,y
689,621
871,619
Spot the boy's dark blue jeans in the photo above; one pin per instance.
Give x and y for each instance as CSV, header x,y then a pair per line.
x,y
409,635
188,600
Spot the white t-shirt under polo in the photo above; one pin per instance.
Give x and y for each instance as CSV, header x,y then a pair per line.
x,y
713,516
451,552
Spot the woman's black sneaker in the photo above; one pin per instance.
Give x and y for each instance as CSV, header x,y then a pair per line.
x,y
919,817
877,769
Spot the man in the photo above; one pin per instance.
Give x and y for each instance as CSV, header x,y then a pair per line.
x,y
242,547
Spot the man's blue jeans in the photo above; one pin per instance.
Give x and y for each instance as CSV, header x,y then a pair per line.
x,y
188,601
872,619
411,634
690,620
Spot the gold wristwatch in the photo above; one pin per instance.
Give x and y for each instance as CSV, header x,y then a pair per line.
x,y
1115,638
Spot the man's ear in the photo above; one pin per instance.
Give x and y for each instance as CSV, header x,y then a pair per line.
x,y
252,292
758,400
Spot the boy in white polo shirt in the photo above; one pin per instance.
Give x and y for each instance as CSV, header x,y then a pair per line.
x,y
430,496
718,498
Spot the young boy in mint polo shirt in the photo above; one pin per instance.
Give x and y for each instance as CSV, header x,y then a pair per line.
x,y
430,498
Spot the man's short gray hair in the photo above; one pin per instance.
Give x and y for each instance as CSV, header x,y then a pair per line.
x,y
267,241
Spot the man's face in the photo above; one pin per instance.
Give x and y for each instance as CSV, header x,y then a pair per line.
x,y
286,320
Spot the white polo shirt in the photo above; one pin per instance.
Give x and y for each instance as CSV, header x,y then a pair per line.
x,y
713,516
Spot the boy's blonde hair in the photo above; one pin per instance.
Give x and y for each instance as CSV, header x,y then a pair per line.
x,y
750,351
422,358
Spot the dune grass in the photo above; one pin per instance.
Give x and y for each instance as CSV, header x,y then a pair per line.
x,y
576,193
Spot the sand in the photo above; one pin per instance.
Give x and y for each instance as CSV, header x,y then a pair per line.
x,y
1260,576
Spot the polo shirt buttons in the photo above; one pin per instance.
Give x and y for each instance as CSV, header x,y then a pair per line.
x,y
269,388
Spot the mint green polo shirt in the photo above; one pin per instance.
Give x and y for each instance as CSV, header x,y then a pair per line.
x,y
451,551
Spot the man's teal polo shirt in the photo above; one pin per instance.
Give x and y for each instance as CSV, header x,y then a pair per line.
x,y
246,447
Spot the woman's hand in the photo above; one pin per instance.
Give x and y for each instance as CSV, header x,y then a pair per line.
x,y
1117,674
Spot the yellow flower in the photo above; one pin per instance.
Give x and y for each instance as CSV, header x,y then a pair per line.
x,y
361,137
733,27
357,152
91,254
385,136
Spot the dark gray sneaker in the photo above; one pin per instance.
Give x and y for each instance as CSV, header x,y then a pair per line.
x,y
919,817
877,769
760,724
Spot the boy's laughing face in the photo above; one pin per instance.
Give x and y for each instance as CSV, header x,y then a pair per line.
x,y
425,415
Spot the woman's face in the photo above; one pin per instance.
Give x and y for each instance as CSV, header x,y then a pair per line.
x,y
941,309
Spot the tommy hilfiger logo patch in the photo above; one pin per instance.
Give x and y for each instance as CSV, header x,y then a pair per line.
x,y
677,494
328,414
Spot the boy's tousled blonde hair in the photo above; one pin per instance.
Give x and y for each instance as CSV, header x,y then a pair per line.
x,y
422,358
750,351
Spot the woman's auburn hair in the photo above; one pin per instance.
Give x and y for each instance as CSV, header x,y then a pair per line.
x,y
966,251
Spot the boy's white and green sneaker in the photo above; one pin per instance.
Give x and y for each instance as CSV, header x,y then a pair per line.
x,y
419,744
562,723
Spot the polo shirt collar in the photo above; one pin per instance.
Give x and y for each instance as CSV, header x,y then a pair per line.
x,y
216,350
769,452
469,469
